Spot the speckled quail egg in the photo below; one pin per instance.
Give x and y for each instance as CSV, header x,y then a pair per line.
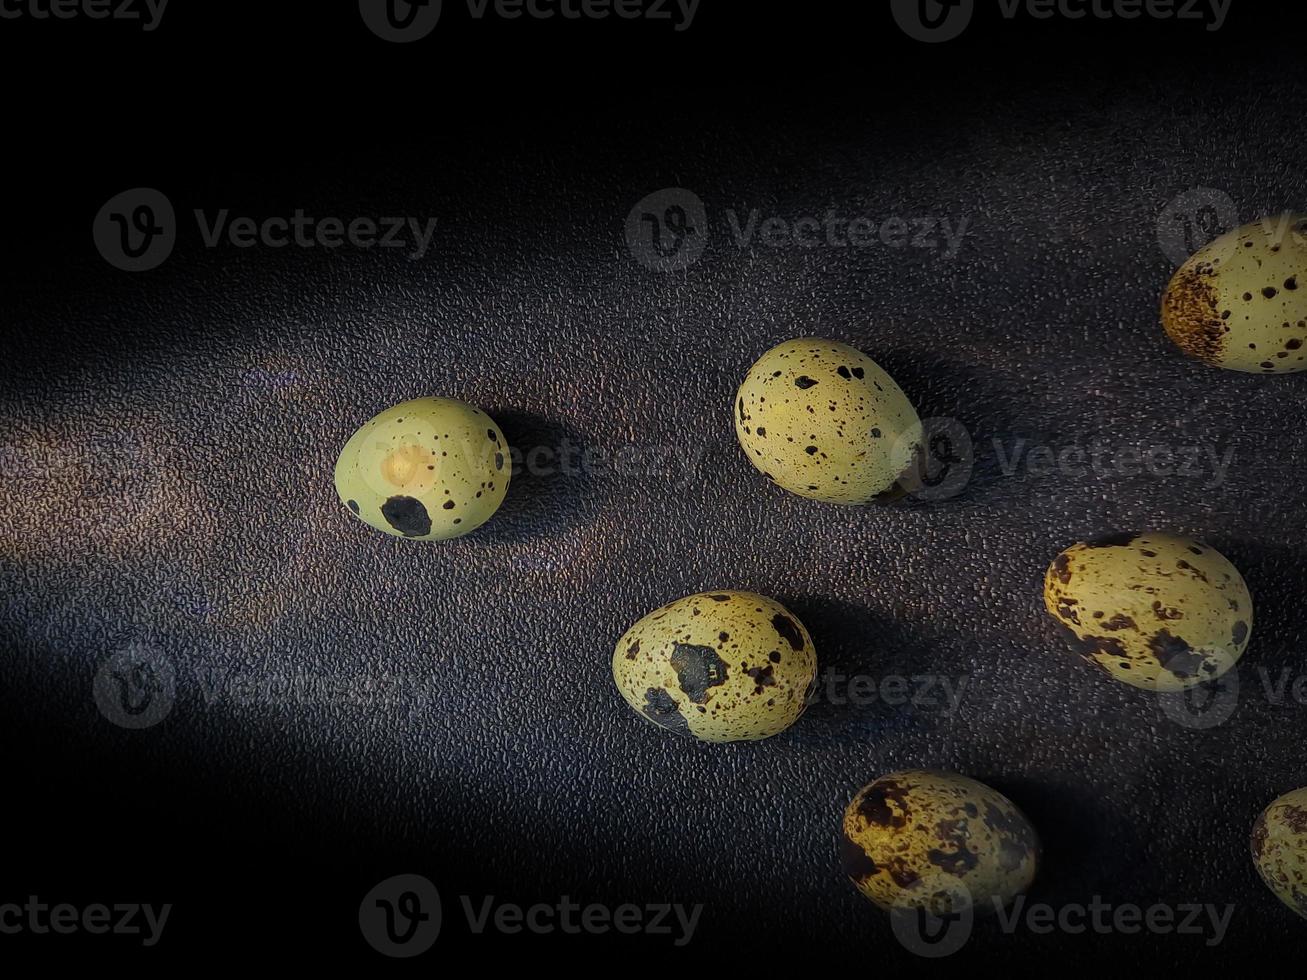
x,y
1241,302
1154,610
937,841
721,666
824,421
1279,847
428,469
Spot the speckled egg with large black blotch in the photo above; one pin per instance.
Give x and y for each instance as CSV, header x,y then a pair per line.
x,y
427,470
823,420
937,841
1241,301
721,666
1279,846
1154,610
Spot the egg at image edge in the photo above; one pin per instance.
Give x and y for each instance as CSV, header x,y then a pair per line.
x,y
824,421
429,469
1241,301
1279,849
720,666
937,841
1157,611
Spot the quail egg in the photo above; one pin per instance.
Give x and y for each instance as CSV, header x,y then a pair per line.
x,y
1154,610
428,469
1241,302
937,841
1279,847
823,420
721,666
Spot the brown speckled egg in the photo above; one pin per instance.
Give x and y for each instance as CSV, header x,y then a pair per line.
x,y
721,666
1241,302
1154,610
823,420
937,841
1279,846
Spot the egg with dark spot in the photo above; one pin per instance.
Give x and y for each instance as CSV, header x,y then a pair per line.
x,y
1154,610
937,841
721,666
824,421
1279,847
1241,302
427,469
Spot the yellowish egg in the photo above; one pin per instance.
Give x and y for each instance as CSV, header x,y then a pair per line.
x,y
1153,610
1279,846
427,469
721,666
937,841
1241,302
822,419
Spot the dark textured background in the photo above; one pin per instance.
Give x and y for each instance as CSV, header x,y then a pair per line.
x,y
170,436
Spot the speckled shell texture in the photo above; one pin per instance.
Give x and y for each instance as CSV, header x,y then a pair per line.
x,y
427,469
1241,302
937,841
721,666
1154,610
1279,846
821,419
